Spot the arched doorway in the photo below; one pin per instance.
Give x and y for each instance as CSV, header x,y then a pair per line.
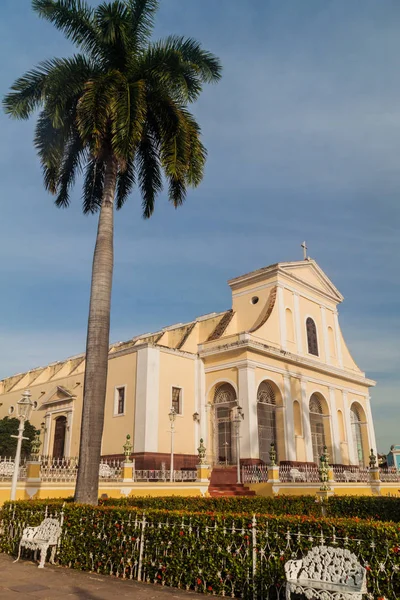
x,y
357,434
224,441
266,419
59,437
317,427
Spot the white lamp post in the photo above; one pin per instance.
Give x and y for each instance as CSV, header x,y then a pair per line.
x,y
239,416
24,409
172,417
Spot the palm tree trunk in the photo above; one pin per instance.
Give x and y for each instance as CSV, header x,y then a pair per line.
x,y
97,346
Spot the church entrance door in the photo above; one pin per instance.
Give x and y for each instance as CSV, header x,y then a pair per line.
x,y
59,437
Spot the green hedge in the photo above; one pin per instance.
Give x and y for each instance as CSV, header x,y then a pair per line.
x,y
206,551
379,508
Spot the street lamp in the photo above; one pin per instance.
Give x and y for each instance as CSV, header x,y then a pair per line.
x,y
239,416
172,417
24,409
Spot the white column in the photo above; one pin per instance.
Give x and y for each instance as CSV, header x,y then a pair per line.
x,y
337,338
200,429
325,335
282,320
47,434
349,434
370,426
297,323
290,442
248,401
337,455
68,434
147,400
306,422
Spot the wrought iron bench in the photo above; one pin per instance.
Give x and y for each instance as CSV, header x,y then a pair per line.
x,y
296,474
326,573
46,535
350,476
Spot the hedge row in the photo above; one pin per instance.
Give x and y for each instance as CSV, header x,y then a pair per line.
x,y
205,551
379,508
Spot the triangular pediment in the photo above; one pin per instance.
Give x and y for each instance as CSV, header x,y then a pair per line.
x,y
57,395
308,273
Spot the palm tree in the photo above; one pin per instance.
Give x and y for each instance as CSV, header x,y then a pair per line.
x,y
116,111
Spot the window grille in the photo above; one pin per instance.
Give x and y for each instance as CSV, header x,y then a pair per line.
x,y
357,434
317,427
120,400
224,439
266,418
176,401
312,340
224,393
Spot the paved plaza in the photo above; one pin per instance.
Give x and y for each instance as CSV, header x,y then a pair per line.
x,y
24,580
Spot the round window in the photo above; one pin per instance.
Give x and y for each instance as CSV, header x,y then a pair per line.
x,y
254,299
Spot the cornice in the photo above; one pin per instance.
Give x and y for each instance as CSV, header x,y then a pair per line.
x,y
295,359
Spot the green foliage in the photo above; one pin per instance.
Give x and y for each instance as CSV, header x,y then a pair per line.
x,y
378,508
209,551
8,444
122,98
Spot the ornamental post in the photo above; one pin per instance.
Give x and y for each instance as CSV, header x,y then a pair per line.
x,y
202,466
273,468
128,466
33,464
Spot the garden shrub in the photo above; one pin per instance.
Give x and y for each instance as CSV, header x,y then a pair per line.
x,y
208,551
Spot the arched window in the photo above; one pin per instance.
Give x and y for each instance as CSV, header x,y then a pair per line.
x,y
317,427
357,434
224,401
266,418
312,340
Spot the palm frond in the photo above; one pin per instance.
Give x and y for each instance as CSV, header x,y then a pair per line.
x,y
148,172
206,64
75,18
71,166
142,14
113,27
27,92
125,184
93,186
128,115
49,143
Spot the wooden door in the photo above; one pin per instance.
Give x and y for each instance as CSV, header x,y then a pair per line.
x,y
59,437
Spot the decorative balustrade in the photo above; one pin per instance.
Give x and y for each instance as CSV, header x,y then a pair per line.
x,y
351,473
7,465
58,469
164,475
389,474
299,474
255,474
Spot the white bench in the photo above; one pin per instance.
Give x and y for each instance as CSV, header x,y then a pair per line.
x,y
295,475
106,471
46,535
350,476
327,573
7,468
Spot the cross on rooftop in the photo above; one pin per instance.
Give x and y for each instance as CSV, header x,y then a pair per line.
x,y
304,246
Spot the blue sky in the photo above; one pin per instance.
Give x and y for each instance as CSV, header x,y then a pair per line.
x,y
303,135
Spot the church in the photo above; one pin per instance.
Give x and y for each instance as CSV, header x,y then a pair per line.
x,y
277,358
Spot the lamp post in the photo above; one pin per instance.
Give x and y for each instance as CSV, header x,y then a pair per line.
x,y
172,417
24,409
239,416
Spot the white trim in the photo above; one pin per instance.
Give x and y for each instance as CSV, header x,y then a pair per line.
x,y
254,289
248,400
325,335
290,442
299,333
282,320
337,454
337,338
370,426
115,411
269,378
349,433
273,369
179,387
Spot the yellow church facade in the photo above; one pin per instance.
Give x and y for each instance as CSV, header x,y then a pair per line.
x,y
278,353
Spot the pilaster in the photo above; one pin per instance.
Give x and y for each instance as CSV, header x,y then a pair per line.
x,y
289,420
282,319
248,401
370,426
200,429
297,323
147,400
337,454
306,421
338,339
349,433
325,335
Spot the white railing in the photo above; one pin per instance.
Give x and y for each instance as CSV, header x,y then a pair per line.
x,y
7,465
350,474
300,474
255,474
389,474
58,469
163,475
